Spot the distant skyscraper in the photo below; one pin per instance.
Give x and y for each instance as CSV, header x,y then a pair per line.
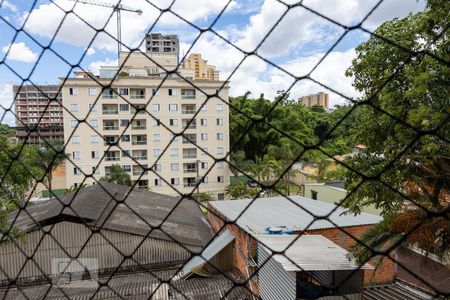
x,y
158,43
201,67
320,99
39,113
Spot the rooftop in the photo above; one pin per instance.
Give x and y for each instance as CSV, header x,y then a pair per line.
x,y
185,222
307,253
296,214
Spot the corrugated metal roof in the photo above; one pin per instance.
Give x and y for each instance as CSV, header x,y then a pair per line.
x,y
307,253
209,252
396,291
296,214
185,222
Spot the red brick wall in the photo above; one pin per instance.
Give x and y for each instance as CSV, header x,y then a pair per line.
x,y
344,237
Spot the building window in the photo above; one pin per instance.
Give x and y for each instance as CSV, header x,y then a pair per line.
x,y
92,91
205,179
94,123
204,165
93,107
175,181
73,107
172,92
155,122
94,139
73,123
219,107
76,155
174,152
219,136
123,91
203,122
126,168
94,154
173,107
204,136
220,179
205,151
205,107
314,195
219,165
220,196
124,107
158,182
155,92
156,137
75,139
125,138
174,167
220,150
124,122
157,168
173,122
95,170
73,91
219,121
76,171
156,152
155,107
126,153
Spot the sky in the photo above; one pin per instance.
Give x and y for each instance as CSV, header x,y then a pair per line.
x,y
42,41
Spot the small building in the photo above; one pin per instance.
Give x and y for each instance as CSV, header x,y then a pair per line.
x,y
311,267
332,192
297,215
319,99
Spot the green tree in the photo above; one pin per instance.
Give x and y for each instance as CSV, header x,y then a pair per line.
x,y
118,176
417,165
50,156
240,191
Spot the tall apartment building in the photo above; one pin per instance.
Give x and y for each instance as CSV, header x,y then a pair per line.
x,y
39,113
119,131
201,67
320,99
158,43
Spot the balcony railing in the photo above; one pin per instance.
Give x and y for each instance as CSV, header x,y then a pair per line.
x,y
141,127
110,112
113,158
189,141
189,184
187,96
190,170
110,127
139,142
137,96
190,126
189,155
109,96
140,172
188,111
140,157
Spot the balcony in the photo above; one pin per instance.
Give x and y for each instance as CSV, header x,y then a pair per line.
x,y
110,112
140,157
138,127
189,184
188,111
190,170
112,158
191,125
137,93
110,127
139,142
139,172
188,156
188,94
109,96
189,138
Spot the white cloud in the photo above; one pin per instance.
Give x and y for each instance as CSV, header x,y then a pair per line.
x,y
46,18
6,99
94,67
20,52
9,5
90,51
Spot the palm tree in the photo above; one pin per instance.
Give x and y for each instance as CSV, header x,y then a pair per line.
x,y
50,156
258,168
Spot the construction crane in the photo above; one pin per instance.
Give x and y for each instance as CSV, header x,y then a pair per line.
x,y
117,8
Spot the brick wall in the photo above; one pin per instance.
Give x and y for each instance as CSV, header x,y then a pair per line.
x,y
245,244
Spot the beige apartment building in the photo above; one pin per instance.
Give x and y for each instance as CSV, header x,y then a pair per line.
x,y
201,68
320,99
150,130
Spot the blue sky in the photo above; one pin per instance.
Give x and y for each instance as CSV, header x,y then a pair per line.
x,y
296,44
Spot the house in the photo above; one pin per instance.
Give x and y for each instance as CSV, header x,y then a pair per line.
x,y
135,240
311,267
332,192
296,215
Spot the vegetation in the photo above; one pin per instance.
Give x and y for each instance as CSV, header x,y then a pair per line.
x,y
202,197
117,175
406,163
49,156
